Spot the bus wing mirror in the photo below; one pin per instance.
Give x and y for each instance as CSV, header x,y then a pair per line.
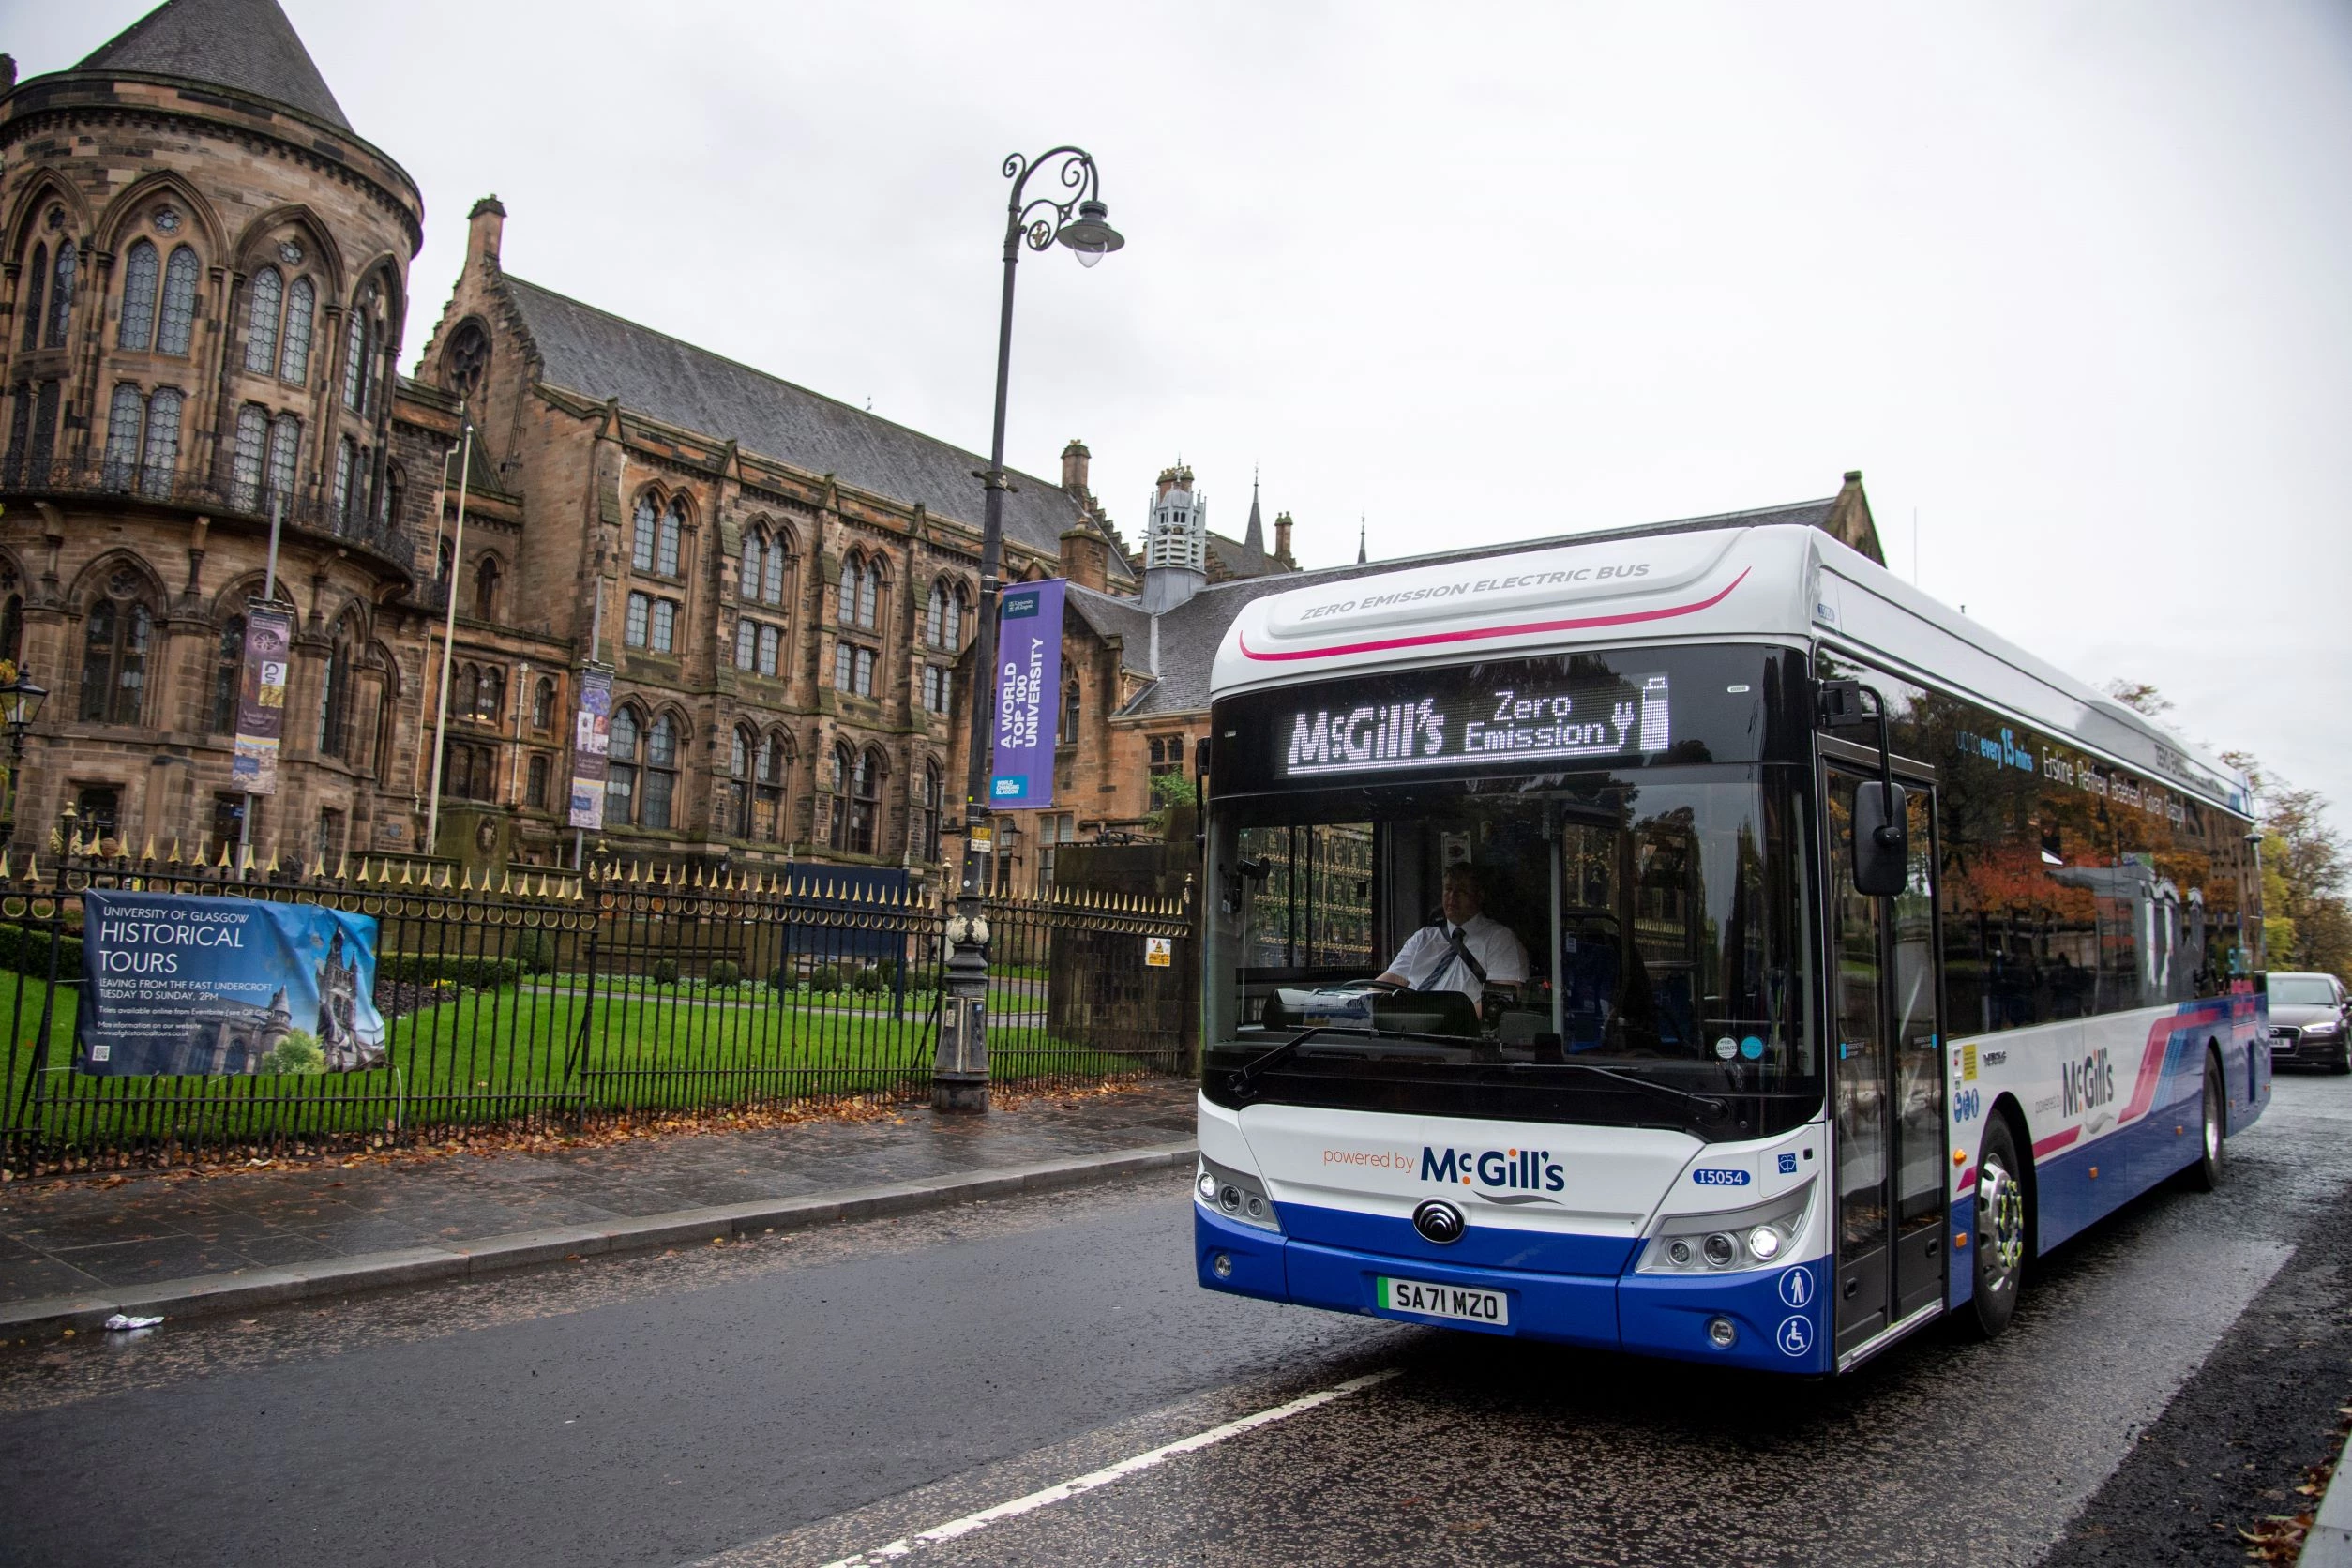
x,y
1883,849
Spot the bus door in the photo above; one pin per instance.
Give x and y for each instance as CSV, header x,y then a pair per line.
x,y
1888,1083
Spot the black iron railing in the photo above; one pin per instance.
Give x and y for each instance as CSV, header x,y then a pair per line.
x,y
218,497
550,999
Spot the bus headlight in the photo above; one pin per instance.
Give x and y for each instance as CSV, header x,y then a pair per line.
x,y
1724,1242
1238,1198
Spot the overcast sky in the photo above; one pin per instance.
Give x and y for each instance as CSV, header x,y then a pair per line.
x,y
2066,281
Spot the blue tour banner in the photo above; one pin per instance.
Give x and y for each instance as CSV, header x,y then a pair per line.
x,y
177,984
1028,676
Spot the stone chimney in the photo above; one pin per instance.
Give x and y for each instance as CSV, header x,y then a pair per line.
x,y
1073,461
1086,555
1849,521
484,225
1282,540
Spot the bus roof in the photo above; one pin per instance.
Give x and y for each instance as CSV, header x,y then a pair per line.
x,y
1710,580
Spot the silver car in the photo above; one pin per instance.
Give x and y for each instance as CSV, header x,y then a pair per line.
x,y
2308,1022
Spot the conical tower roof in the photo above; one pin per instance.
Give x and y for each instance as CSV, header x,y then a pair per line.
x,y
247,45
1256,538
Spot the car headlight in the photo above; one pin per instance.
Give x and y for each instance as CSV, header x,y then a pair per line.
x,y
2322,1030
1721,1243
1239,1197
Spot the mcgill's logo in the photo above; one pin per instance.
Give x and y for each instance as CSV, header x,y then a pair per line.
x,y
2087,1084
1505,1169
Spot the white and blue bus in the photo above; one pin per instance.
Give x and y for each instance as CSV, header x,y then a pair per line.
x,y
1865,956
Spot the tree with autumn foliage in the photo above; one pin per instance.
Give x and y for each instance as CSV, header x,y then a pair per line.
x,y
2306,904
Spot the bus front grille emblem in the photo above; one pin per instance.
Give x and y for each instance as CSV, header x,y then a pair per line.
x,y
1438,1221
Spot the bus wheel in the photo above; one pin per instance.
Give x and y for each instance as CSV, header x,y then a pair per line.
x,y
2205,1174
2001,1231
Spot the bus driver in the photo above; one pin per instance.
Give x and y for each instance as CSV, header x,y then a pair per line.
x,y
1465,951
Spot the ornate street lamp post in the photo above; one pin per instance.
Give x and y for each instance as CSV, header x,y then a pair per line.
x,y
1073,216
19,709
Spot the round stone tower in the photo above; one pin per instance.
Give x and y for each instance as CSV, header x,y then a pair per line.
x,y
203,276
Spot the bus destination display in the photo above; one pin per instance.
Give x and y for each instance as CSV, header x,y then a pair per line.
x,y
1523,721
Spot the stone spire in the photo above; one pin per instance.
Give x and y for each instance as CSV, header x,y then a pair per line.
x,y
1255,538
1362,559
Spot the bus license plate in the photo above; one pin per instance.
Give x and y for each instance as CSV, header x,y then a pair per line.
x,y
1443,1301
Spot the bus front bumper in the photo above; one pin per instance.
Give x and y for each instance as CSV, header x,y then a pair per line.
x,y
1775,1314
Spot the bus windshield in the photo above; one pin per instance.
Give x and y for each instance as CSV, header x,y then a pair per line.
x,y
1611,947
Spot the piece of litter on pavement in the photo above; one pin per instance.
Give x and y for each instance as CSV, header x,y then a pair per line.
x,y
120,1321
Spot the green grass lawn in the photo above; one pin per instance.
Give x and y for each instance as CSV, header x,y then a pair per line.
x,y
490,1056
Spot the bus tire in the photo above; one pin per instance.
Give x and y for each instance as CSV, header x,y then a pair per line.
x,y
1999,1242
2213,1133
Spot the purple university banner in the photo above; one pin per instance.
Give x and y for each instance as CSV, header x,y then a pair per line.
x,y
1028,676
261,697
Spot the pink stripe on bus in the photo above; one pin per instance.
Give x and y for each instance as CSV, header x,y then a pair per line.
x,y
1523,630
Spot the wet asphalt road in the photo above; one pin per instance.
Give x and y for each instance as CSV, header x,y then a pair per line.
x,y
796,1399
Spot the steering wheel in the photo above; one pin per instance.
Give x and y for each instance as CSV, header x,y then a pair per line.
x,y
1392,986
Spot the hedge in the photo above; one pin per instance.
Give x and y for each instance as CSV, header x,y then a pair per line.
x,y
471,972
26,949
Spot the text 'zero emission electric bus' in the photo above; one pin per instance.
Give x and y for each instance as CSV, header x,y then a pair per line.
x,y
1853,956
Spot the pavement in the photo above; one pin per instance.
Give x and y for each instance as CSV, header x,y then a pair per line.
x,y
75,1250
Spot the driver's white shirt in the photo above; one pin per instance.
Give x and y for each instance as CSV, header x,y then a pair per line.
x,y
1430,950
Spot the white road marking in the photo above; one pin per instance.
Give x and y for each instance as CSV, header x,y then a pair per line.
x,y
1135,1465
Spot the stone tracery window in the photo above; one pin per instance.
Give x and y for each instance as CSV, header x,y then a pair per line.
x,y
293,356
943,619
36,295
142,270
178,323
261,324
666,548
245,465
468,359
620,784
61,294
661,771
117,633
775,767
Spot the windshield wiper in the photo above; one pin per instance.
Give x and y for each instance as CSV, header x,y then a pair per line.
x,y
1256,1066
1706,1102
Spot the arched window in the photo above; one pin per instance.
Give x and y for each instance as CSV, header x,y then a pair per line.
x,y
228,675
641,530
543,705
490,697
865,803
162,453
1070,705
775,767
115,640
444,567
869,585
486,589
245,464
661,770
293,356
142,269
395,489
772,573
346,473
536,796
740,753
334,696
125,421
178,322
620,779
285,451
61,294
843,766
755,557
261,322
666,545
36,293
12,628
926,815
359,345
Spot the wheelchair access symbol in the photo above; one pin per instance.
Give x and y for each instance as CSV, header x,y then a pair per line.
x,y
1794,1335
1796,1286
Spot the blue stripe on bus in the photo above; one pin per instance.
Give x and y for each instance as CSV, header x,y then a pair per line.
x,y
1655,1314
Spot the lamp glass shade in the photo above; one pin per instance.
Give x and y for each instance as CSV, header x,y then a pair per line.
x,y
20,702
1089,235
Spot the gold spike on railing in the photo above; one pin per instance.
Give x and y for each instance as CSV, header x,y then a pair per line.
x,y
342,867
33,868
466,883
271,870
4,865
147,854
173,861
406,866
506,881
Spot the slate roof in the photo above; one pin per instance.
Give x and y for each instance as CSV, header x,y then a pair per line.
x,y
601,355
245,44
1239,558
1191,633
